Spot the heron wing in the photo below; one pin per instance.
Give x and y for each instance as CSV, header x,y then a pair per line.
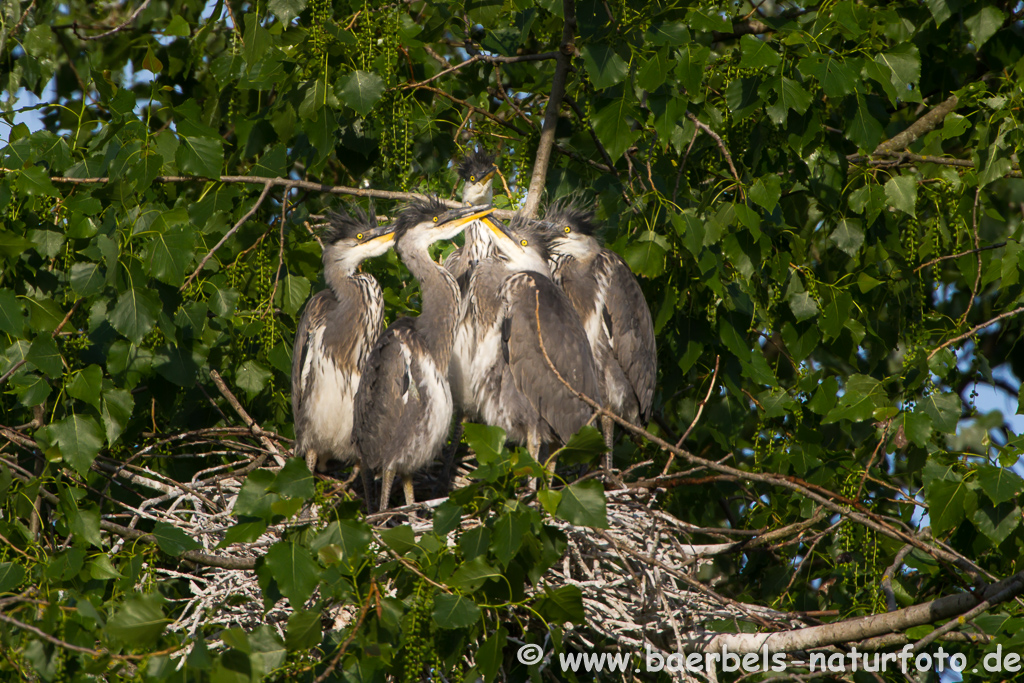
x,y
386,391
313,319
630,329
534,310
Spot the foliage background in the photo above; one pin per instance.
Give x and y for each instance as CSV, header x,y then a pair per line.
x,y
856,291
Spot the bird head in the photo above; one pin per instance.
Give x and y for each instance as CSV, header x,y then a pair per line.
x,y
522,243
477,170
571,230
354,237
424,222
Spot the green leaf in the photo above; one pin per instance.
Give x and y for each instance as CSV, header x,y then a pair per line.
x,y
87,384
294,569
766,192
252,376
139,623
1000,484
947,502
489,656
116,411
612,127
917,427
983,24
254,499
901,192
942,9
401,539
294,292
757,53
11,576
455,611
79,439
361,91
199,155
177,27
256,39
861,396
173,540
44,355
836,78
475,542
904,61
848,236
791,95
304,630
294,480
169,254
87,279
246,530
944,409
583,504
997,523
562,604
48,242
864,129
604,66
286,10
447,518
507,535
472,574
101,569
486,442
35,181
708,19
583,447
654,71
12,313
135,314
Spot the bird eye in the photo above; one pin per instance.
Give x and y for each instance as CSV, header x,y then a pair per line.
x,y
472,178
567,230
359,236
435,219
523,242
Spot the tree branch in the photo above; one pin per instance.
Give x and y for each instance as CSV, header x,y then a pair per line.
x,y
962,253
547,132
721,146
227,236
970,332
933,119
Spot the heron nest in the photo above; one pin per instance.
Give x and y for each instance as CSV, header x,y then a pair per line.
x,y
638,578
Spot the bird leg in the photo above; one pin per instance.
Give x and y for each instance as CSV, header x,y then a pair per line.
x,y
451,459
387,478
410,498
364,471
608,427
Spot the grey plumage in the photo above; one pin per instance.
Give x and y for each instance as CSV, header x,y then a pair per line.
x,y
607,296
335,333
404,406
508,382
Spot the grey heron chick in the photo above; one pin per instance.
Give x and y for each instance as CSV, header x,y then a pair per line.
x,y
512,305
404,405
477,171
337,329
607,296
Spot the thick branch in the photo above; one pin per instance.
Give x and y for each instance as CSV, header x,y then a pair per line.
x,y
969,333
895,159
547,132
863,627
933,119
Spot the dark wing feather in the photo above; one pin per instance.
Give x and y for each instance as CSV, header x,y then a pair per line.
x,y
313,317
382,401
632,330
531,297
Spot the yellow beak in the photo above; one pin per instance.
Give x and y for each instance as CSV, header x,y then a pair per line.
x,y
472,217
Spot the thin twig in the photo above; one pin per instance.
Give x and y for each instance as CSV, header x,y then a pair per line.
x,y
887,575
721,146
700,408
976,328
962,253
263,195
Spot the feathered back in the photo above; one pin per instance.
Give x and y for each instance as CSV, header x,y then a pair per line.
x,y
476,164
346,225
570,212
417,211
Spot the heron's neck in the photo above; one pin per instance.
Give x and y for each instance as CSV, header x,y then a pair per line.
x,y
437,319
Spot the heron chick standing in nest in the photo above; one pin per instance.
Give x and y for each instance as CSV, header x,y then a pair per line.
x,y
607,296
512,308
404,405
335,334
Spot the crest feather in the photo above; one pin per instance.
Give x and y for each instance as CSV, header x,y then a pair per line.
x,y
477,164
344,224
